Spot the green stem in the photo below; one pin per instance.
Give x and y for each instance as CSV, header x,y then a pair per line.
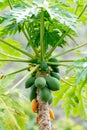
x,y
10,5
70,50
52,63
66,60
63,65
15,60
16,48
52,49
29,39
82,11
26,76
66,82
76,9
15,72
72,39
84,82
42,34
14,57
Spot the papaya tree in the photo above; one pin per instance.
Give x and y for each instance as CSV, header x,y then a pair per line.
x,y
46,25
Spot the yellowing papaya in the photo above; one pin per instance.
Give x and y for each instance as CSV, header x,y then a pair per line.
x,y
52,116
34,105
37,118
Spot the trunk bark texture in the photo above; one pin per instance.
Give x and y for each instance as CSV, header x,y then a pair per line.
x,y
43,115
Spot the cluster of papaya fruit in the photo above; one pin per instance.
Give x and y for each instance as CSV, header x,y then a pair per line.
x,y
47,84
44,83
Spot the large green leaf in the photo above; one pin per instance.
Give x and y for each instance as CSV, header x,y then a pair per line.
x,y
10,50
73,97
80,67
12,114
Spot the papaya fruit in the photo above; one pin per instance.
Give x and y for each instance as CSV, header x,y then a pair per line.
x,y
29,82
55,69
33,93
34,60
45,94
52,116
37,118
52,83
53,60
51,99
55,75
40,82
34,105
44,66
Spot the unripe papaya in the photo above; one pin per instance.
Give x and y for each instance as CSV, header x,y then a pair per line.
x,y
33,93
40,82
51,114
29,82
55,75
51,99
34,60
45,94
43,66
55,69
53,60
34,105
52,83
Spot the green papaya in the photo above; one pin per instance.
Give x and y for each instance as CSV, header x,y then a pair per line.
x,y
33,93
55,75
40,82
51,99
53,60
29,82
43,66
52,83
55,69
34,60
45,94
33,74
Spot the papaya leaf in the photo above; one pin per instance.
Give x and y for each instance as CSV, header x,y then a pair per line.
x,y
11,116
80,68
10,50
74,98
7,81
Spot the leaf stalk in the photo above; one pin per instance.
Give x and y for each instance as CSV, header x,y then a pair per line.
x,y
18,71
42,34
70,50
16,48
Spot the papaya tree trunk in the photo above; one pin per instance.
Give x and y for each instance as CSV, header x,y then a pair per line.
x,y
43,109
43,115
